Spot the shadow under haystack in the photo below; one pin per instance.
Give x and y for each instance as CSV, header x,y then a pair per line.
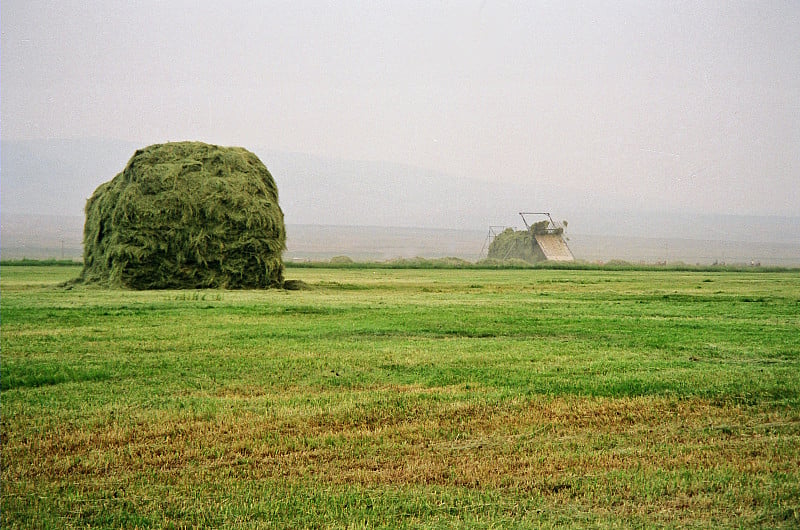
x,y
186,215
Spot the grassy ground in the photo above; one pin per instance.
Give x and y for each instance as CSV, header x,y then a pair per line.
x,y
404,398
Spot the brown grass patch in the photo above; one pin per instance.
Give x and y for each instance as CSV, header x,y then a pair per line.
x,y
653,459
515,444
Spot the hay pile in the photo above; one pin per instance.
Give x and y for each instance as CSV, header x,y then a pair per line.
x,y
518,244
186,215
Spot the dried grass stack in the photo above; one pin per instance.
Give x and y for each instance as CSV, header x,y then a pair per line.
x,y
518,244
186,215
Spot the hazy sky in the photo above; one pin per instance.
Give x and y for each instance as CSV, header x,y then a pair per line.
x,y
660,105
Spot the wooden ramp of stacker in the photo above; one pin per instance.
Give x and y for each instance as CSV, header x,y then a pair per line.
x,y
554,247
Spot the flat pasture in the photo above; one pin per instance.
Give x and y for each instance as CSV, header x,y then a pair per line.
x,y
404,398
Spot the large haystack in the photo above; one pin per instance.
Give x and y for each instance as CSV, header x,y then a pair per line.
x,y
541,241
516,244
186,215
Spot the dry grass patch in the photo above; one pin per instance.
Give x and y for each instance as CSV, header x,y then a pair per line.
x,y
423,436
644,457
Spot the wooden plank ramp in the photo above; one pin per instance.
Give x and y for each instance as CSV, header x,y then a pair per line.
x,y
554,247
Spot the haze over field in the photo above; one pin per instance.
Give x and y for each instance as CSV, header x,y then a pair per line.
x,y
656,119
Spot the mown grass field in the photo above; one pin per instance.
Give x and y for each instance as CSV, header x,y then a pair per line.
x,y
404,398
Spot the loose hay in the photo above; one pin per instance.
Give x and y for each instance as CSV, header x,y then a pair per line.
x,y
186,215
518,244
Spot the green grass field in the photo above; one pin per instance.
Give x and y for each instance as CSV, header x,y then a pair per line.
x,y
404,398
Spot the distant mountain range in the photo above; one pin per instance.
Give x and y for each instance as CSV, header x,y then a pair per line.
x,y
48,182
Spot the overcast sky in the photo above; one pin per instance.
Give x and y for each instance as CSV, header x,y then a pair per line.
x,y
665,105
